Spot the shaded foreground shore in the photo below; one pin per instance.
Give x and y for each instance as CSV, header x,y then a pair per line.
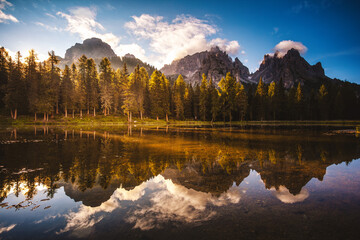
x,y
122,120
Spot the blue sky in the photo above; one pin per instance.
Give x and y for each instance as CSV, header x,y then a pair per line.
x,y
160,31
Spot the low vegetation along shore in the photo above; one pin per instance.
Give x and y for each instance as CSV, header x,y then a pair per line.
x,y
122,120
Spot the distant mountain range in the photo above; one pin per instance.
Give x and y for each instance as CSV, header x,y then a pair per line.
x,y
215,63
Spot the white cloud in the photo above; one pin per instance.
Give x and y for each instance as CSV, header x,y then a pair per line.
x,y
284,46
164,202
50,15
82,21
284,195
182,36
133,48
48,27
3,16
6,229
231,47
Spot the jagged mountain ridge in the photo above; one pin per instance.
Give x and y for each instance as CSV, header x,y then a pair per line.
x,y
97,49
214,64
291,68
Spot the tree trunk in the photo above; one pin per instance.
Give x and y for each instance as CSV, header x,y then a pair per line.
x,y
35,117
88,111
15,114
141,115
157,118
12,115
167,118
130,116
94,112
105,112
57,107
44,116
47,117
80,113
73,114
65,111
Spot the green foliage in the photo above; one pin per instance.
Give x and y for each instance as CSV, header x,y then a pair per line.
x,y
40,87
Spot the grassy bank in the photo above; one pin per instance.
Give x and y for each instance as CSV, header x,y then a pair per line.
x,y
122,120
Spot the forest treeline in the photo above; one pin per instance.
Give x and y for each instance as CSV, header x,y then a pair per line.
x,y
33,87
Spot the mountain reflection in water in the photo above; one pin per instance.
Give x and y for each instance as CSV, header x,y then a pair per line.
x,y
138,182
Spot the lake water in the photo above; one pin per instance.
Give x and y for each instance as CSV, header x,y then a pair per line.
x,y
179,183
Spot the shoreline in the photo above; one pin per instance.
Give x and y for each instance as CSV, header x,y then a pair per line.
x,y
122,121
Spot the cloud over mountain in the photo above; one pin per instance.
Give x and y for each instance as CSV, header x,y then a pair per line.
x,y
184,35
284,46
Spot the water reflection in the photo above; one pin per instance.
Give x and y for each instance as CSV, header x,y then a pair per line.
x,y
149,178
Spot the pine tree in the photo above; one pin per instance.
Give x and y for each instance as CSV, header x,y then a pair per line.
x,y
179,93
166,96
299,102
15,97
67,90
228,94
203,101
4,74
81,86
259,100
188,102
323,102
271,99
54,79
155,89
214,97
32,82
106,85
93,88
241,100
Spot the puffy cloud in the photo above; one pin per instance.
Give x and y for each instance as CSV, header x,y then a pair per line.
x,y
284,46
82,21
231,47
182,36
3,16
133,48
164,202
284,195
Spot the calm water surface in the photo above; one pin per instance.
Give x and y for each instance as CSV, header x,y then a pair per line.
x,y
113,183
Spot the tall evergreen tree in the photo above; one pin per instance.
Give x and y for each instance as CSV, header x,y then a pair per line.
x,y
204,96
4,74
179,94
106,85
67,90
228,94
323,102
241,100
15,97
54,79
155,89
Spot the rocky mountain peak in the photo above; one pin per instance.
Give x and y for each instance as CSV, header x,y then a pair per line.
x,y
92,48
291,68
214,63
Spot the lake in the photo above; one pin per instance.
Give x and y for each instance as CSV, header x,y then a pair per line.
x,y
179,183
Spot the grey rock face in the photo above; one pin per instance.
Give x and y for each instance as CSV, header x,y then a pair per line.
x,y
214,63
92,48
292,68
